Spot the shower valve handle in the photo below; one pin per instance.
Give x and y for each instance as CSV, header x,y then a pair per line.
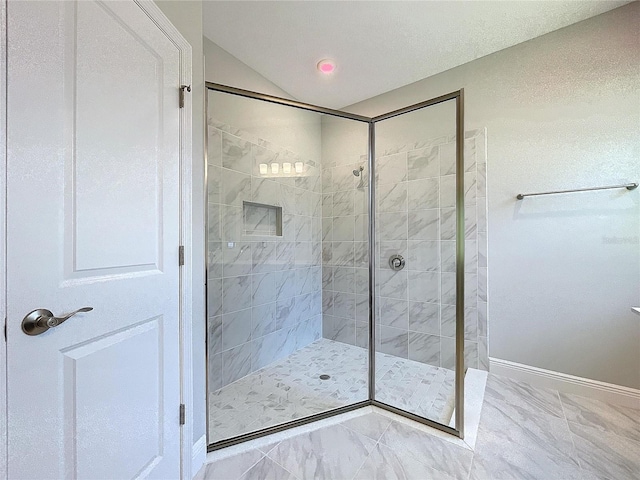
x,y
396,262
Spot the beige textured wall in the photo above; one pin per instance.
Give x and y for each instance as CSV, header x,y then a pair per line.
x,y
562,111
222,67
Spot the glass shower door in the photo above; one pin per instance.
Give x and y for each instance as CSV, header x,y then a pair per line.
x,y
305,207
286,273
418,250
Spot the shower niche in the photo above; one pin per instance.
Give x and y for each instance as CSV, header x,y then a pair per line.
x,y
260,219
306,318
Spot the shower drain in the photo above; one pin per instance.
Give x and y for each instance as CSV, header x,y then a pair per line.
x,y
324,376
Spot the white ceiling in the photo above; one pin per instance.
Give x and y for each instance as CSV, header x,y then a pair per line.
x,y
378,46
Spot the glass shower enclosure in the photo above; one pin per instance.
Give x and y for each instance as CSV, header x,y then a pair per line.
x,y
336,263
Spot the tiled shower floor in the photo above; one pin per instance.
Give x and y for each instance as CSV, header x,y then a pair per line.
x,y
291,388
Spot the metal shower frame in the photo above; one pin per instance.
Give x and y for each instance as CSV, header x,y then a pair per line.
x,y
458,430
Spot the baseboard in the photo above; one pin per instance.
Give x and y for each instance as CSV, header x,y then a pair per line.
x,y
539,377
199,454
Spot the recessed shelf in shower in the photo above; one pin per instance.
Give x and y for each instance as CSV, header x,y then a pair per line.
x,y
261,219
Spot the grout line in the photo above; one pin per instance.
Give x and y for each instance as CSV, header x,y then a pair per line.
x,y
473,459
277,463
258,461
385,430
377,442
573,443
416,457
365,458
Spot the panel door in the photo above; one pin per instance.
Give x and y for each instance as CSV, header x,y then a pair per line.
x,y
93,221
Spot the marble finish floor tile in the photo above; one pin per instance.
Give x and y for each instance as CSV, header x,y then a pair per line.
x,y
522,435
525,397
445,457
267,469
506,423
383,463
515,446
605,454
233,467
624,421
501,461
371,425
291,388
530,433
331,452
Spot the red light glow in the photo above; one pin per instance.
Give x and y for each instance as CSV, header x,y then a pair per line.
x,y
326,66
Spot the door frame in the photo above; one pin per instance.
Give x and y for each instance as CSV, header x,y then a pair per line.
x,y
186,236
3,240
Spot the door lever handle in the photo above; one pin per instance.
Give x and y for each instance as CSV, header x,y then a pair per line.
x,y
41,320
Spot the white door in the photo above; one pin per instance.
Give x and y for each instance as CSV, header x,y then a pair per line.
x,y
93,221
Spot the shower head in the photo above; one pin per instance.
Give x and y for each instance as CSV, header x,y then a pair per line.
x,y
356,173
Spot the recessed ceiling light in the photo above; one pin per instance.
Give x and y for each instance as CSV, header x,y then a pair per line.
x,y
326,66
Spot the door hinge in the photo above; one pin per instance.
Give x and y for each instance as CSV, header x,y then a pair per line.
x,y
181,255
183,414
182,89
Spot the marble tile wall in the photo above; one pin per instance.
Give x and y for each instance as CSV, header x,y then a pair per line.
x,y
416,219
264,290
345,258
